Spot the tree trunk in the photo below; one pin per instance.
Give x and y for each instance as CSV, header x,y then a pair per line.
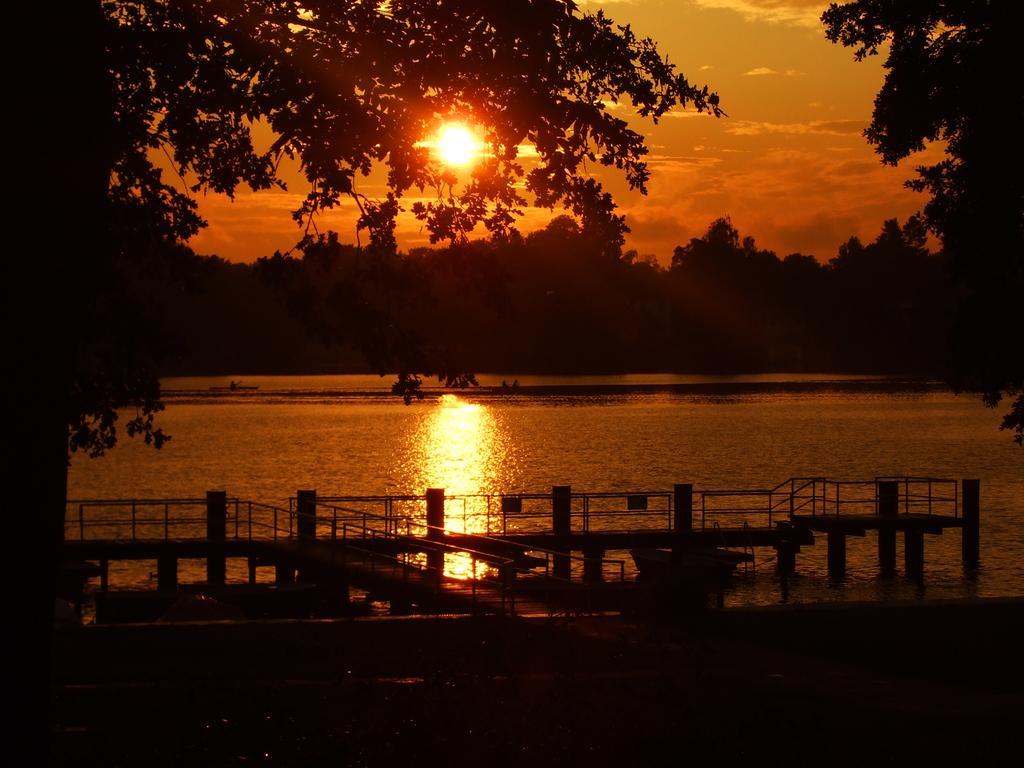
x,y
62,167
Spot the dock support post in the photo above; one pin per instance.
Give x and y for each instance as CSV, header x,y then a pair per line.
x,y
435,528
785,552
104,574
167,573
216,532
592,571
336,594
888,510
435,514
399,605
836,554
913,552
682,513
971,495
252,569
682,507
561,523
305,525
305,514
284,574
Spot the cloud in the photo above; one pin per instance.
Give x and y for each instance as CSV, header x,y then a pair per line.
x,y
657,229
840,126
686,113
757,71
759,127
805,13
653,223
820,232
854,168
670,162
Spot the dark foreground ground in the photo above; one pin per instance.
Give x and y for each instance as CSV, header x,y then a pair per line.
x,y
914,684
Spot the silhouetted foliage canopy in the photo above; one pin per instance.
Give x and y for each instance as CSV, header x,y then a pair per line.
x,y
952,76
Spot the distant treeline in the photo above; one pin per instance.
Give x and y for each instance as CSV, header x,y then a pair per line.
x,y
555,301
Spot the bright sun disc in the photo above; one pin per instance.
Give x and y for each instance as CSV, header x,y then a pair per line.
x,y
456,145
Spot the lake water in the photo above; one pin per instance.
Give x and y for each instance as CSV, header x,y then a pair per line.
x,y
346,435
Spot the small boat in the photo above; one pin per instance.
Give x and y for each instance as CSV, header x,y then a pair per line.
x,y
687,579
235,386
689,564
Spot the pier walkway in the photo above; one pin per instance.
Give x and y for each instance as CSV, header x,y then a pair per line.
x,y
517,553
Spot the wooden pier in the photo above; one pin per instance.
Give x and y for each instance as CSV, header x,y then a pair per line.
x,y
518,553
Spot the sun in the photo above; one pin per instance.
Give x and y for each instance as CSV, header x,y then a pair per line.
x,y
456,145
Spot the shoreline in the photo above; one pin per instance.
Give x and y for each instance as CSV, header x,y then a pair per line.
x,y
568,388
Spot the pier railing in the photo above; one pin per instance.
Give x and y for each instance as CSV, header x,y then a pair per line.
x,y
134,519
501,514
819,496
173,519
494,516
415,530
635,511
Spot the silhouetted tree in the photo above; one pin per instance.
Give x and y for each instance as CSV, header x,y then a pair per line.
x,y
948,79
889,300
726,291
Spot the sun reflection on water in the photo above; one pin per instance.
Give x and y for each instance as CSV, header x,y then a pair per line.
x,y
461,447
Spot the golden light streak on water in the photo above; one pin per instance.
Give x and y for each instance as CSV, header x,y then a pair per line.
x,y
463,449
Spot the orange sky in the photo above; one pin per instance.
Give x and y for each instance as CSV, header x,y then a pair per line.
x,y
789,163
